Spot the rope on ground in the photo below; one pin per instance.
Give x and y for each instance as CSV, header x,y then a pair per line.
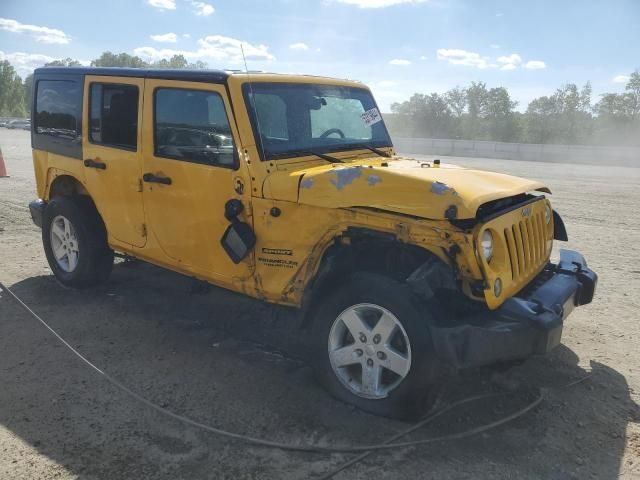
x,y
431,418
365,449
422,423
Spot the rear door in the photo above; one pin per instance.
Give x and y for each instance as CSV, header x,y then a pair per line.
x,y
190,172
112,154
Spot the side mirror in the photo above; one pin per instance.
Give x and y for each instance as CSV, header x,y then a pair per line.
x,y
232,209
238,240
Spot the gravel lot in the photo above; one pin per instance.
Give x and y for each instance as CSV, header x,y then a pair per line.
x,y
217,357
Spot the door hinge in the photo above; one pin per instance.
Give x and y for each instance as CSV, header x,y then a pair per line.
x,y
144,229
139,185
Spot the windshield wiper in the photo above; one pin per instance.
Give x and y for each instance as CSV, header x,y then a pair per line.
x,y
373,149
328,158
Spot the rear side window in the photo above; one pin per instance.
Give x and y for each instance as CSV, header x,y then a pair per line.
x,y
113,119
192,125
57,117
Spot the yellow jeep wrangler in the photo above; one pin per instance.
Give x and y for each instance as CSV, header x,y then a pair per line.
x,y
287,188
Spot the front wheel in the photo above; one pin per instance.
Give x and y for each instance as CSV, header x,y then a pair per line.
x,y
372,347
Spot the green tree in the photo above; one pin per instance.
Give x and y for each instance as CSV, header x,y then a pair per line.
x,y
178,61
26,88
66,62
501,122
477,102
632,95
11,92
109,59
425,115
565,117
618,120
456,99
538,126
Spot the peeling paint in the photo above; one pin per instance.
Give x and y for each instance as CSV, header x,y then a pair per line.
x,y
345,176
306,183
439,188
372,180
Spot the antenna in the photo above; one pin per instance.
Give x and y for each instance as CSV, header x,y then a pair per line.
x,y
253,104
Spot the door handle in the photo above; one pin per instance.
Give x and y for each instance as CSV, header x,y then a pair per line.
x,y
94,164
151,178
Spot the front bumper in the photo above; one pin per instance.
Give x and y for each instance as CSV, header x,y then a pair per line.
x,y
527,324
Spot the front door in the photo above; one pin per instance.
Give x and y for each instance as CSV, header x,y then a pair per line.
x,y
190,166
112,154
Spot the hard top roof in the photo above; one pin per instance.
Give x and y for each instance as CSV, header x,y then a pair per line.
x,y
215,76
200,75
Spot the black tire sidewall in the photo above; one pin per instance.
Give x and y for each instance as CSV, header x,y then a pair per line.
x,y
416,392
95,259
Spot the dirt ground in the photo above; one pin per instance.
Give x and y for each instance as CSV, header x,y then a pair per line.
x,y
232,362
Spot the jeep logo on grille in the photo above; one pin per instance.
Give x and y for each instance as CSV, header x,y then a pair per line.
x,y
526,211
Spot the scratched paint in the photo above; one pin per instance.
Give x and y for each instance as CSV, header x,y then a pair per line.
x,y
345,176
372,180
306,183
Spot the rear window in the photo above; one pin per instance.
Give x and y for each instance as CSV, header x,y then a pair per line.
x,y
57,108
57,116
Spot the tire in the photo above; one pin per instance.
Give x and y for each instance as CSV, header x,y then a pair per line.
x,y
84,259
406,393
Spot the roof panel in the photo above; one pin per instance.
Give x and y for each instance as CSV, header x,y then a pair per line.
x,y
213,76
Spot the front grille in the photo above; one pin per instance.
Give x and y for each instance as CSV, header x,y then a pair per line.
x,y
526,244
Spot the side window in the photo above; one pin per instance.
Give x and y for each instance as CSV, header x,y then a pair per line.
x,y
192,125
113,118
58,103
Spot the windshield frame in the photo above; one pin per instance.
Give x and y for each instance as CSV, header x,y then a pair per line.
x,y
303,152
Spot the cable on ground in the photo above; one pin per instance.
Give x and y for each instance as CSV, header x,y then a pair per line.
x,y
364,449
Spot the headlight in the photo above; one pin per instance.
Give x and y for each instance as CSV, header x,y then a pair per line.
x,y
547,213
487,245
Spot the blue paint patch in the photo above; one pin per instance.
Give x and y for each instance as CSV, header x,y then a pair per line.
x,y
373,180
345,176
439,188
306,183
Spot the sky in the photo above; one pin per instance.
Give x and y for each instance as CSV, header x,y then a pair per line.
x,y
397,47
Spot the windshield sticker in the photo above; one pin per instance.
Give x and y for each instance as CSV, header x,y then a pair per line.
x,y
371,117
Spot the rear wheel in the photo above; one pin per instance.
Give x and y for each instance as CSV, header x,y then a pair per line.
x,y
75,242
372,347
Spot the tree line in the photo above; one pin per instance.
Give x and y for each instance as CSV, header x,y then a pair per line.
x,y
475,112
15,93
480,113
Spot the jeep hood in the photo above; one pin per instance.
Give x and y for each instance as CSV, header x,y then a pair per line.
x,y
403,186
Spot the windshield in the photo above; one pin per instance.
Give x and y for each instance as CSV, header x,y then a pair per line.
x,y
297,119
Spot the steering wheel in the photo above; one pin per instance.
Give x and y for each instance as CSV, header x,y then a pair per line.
x,y
332,131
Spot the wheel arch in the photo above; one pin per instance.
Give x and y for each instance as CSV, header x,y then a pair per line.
x,y
365,250
61,183
64,184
